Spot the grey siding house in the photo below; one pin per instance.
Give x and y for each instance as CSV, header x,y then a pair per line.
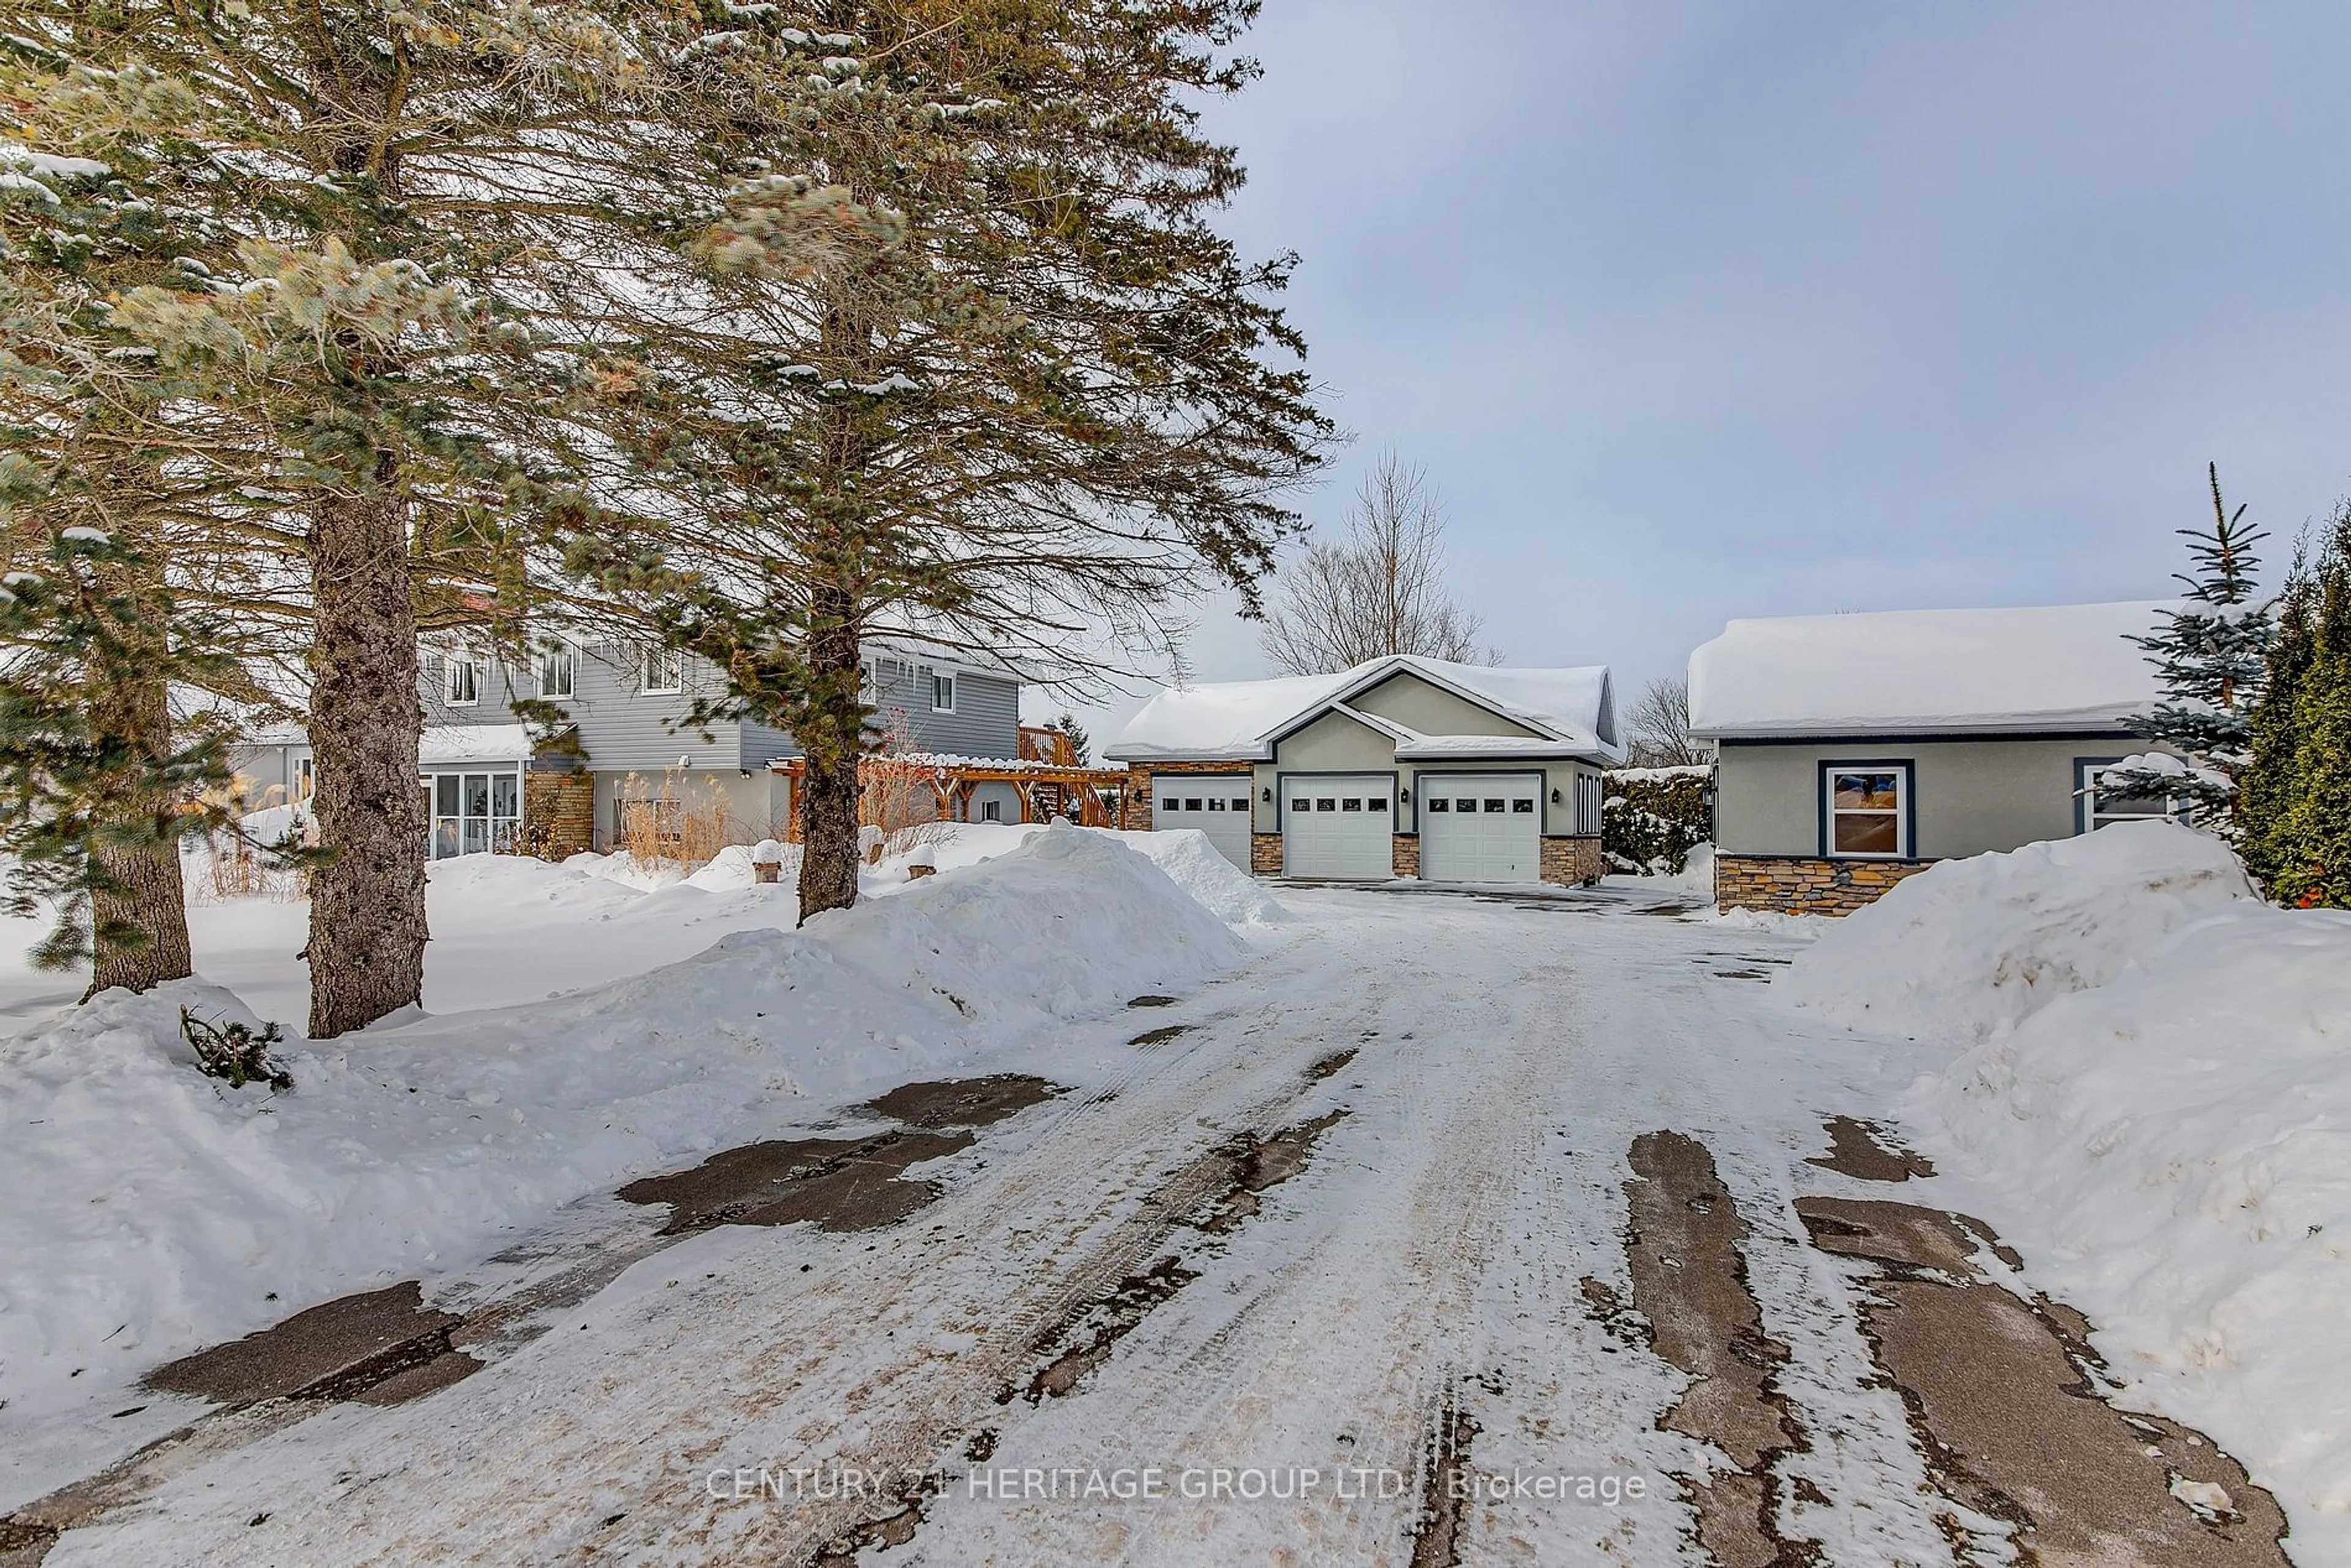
x,y
482,786
1853,750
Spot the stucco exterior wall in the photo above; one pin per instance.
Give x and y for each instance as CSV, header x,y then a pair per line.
x,y
1968,796
1432,710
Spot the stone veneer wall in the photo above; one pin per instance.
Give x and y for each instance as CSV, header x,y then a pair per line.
x,y
1569,860
1134,802
1406,862
559,813
1805,884
1265,854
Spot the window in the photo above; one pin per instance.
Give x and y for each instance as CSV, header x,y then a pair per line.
x,y
942,693
1496,806
1522,807
559,670
992,810
1216,802
1352,803
1465,804
1590,797
1191,803
1439,803
1376,803
664,671
2093,811
1865,809
1326,803
1240,803
305,779
1300,806
461,681
473,813
1171,805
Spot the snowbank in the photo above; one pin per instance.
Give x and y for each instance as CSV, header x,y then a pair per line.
x,y
1186,854
1968,946
2172,1151
152,1211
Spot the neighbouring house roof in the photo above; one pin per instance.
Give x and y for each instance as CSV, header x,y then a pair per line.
x,y
443,745
1572,712
2057,668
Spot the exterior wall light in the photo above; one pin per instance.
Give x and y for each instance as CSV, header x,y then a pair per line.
x,y
1404,797
1554,797
1266,795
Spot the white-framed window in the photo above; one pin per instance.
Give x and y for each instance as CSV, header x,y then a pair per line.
x,y
461,681
661,670
472,813
1589,797
942,691
305,782
1865,810
559,670
991,810
2092,810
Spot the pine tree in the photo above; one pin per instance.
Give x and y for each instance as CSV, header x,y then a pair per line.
x,y
1080,741
2210,658
962,363
98,786
393,231
2298,792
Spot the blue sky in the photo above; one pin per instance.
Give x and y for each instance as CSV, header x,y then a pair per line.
x,y
1699,310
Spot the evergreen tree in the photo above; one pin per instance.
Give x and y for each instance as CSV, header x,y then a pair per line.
x,y
393,230
97,789
2298,792
2211,657
1080,741
962,362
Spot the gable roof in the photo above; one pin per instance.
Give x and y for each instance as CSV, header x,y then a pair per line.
x,y
2065,668
1571,713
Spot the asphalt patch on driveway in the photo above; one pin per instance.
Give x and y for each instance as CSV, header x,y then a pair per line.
x,y
1869,1153
1689,1282
381,1346
839,1184
2005,1397
963,1102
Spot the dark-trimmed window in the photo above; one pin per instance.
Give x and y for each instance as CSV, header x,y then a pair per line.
x,y
1865,810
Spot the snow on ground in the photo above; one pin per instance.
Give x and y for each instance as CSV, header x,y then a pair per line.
x,y
1974,943
164,1210
2172,1151
2154,1105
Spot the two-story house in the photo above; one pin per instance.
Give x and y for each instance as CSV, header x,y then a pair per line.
x,y
482,785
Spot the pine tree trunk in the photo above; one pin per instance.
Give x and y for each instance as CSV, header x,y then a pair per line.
x,y
139,905
367,901
832,745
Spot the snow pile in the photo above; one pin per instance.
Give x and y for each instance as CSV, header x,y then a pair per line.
x,y
1194,865
152,1211
2172,1151
1969,946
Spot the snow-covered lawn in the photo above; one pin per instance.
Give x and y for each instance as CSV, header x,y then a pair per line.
x,y
152,1211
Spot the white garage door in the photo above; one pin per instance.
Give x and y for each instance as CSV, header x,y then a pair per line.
x,y
1480,828
1215,803
1339,827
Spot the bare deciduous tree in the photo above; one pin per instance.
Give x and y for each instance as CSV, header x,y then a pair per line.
x,y
1659,724
1378,591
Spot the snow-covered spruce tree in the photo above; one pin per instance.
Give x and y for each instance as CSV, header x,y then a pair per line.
x,y
2212,659
963,360
395,223
2296,798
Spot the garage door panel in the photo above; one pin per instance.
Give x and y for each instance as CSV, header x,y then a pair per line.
x,y
1340,825
1217,804
1477,828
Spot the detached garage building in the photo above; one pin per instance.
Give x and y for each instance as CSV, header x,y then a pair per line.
x,y
1853,750
1402,767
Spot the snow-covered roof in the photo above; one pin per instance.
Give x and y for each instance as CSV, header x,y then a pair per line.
x,y
1571,711
444,744
2059,668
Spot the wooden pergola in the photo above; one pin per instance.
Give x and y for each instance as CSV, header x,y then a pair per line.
x,y
1044,790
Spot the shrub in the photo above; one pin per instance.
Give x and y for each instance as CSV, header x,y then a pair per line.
x,y
1653,817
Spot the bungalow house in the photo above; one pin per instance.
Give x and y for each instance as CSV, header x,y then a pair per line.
x,y
1853,750
482,785
1401,766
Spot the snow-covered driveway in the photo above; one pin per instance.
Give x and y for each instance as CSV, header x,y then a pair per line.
x,y
1339,1267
